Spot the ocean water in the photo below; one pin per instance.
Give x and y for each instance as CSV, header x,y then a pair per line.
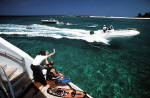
x,y
105,65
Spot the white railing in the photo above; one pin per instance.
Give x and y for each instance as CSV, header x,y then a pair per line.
x,y
11,56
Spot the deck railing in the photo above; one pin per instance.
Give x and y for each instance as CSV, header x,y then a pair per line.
x,y
8,82
4,53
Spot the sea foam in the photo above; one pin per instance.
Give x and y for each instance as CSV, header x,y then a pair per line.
x,y
48,31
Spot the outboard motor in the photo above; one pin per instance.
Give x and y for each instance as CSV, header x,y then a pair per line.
x,y
91,32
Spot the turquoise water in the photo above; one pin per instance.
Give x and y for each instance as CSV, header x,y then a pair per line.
x,y
119,69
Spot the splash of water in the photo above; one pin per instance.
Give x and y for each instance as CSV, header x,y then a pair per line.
x,y
47,31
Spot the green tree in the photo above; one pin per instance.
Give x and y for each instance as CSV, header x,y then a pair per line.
x,y
149,14
145,15
139,15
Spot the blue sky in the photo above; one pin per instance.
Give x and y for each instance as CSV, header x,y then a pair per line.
x,y
74,7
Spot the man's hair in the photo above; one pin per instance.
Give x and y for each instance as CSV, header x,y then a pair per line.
x,y
42,52
51,63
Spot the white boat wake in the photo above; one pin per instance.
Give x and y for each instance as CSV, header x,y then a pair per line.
x,y
47,31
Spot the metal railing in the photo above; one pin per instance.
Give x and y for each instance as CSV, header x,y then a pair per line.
x,y
4,53
8,82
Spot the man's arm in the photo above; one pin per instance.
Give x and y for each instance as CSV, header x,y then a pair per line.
x,y
56,74
46,61
51,53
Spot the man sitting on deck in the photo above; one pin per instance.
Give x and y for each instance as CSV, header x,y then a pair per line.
x,y
51,72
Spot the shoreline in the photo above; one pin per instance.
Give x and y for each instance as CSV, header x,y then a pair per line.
x,y
82,16
130,17
120,17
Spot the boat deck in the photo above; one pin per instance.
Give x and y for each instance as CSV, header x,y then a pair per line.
x,y
37,90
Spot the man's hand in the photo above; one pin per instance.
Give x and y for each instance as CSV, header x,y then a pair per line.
x,y
47,53
54,50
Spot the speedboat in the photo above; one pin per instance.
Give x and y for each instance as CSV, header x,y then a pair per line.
x,y
111,30
50,21
16,77
101,31
108,30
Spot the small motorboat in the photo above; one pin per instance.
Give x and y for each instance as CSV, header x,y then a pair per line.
x,y
28,27
60,23
68,23
109,29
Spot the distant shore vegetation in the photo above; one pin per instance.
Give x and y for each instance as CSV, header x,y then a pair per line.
x,y
145,15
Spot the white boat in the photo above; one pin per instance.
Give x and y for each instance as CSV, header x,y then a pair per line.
x,y
16,79
112,30
108,30
68,23
59,23
50,21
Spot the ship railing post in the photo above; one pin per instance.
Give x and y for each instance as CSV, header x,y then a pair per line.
x,y
9,84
